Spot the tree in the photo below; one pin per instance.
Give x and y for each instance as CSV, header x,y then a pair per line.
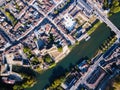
x,y
105,4
35,61
115,6
47,59
115,9
56,11
56,84
28,81
27,51
17,87
115,3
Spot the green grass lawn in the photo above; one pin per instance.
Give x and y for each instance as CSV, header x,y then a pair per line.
x,y
94,28
11,17
88,49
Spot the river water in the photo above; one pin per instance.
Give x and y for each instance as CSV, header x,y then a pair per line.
x,y
88,49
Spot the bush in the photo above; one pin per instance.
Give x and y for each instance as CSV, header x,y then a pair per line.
x,y
60,48
47,59
28,76
10,17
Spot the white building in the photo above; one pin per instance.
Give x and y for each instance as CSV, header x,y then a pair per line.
x,y
69,22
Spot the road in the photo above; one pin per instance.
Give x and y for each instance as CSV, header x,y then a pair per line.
x,y
105,81
83,79
102,17
32,28
45,16
4,34
99,12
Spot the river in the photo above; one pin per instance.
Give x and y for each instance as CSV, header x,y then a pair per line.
x,y
88,49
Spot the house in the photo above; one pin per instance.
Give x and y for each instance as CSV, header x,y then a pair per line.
x,y
83,66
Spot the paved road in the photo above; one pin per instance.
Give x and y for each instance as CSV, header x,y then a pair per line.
x,y
105,81
5,36
27,33
103,17
45,16
83,79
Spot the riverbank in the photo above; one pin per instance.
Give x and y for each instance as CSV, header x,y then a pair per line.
x,y
84,49
115,18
